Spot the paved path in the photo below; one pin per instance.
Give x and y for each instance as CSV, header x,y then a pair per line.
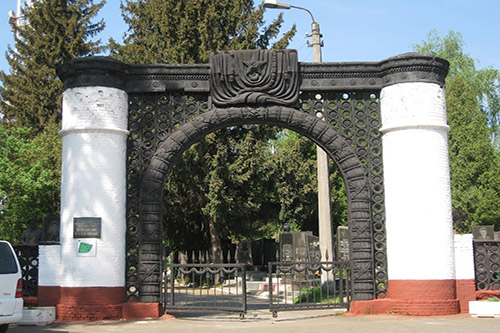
x,y
261,321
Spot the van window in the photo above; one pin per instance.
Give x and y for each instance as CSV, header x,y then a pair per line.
x,y
7,260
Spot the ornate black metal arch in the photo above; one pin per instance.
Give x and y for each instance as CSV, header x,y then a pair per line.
x,y
172,106
355,175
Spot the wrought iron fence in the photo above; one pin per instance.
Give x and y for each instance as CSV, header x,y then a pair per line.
x,y
205,288
28,259
308,285
487,264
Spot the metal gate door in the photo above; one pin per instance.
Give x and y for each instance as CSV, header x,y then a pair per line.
x,y
309,285
205,287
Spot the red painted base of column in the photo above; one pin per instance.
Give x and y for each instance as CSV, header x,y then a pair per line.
x,y
405,307
83,304
416,298
376,306
426,307
48,296
466,291
423,297
141,310
94,303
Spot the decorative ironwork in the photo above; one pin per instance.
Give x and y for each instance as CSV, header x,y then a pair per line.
x,y
205,287
309,285
487,264
355,176
28,259
356,115
104,71
152,118
254,77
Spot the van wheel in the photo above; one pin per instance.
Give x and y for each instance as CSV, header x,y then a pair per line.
x,y
3,328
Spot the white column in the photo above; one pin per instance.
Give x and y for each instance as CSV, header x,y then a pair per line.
x,y
94,132
324,207
417,182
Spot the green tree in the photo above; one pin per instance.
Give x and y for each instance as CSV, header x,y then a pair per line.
x,y
294,168
29,178
57,31
30,99
472,97
483,85
182,32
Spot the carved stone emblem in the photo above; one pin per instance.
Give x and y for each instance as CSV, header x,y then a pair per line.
x,y
254,77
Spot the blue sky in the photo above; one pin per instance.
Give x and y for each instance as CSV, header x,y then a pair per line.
x,y
362,30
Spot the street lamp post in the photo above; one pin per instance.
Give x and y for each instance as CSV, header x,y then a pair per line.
x,y
324,209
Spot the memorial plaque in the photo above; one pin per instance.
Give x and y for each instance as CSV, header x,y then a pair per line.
x,y
483,232
87,227
342,245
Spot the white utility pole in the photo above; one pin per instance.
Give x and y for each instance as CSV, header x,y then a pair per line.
x,y
324,202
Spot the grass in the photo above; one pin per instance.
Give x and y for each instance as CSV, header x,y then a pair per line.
x,y
316,295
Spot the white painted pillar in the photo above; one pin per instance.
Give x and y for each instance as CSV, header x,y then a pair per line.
x,y
419,223
94,132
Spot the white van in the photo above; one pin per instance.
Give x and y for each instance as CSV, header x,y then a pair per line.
x,y
11,301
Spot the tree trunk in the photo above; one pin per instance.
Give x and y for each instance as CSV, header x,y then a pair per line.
x,y
215,242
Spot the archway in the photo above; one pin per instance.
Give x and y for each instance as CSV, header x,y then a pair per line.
x,y
354,174
144,116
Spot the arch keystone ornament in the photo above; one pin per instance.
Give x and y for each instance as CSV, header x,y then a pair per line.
x,y
124,125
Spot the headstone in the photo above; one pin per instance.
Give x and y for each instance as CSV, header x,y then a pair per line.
x,y
258,252
269,249
483,232
32,235
244,255
50,233
286,247
299,246
342,243
313,248
497,236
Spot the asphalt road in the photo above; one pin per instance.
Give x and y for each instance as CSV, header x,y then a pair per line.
x,y
260,321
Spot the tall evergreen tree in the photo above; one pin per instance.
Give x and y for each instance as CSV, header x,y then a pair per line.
x,y
472,97
30,99
186,31
182,32
56,31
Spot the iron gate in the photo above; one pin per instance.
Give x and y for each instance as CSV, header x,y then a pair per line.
x,y
205,288
223,288
309,285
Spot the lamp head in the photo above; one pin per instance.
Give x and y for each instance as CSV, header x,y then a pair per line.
x,y
276,4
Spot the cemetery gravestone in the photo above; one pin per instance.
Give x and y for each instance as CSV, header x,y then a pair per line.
x,y
286,247
342,243
483,232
